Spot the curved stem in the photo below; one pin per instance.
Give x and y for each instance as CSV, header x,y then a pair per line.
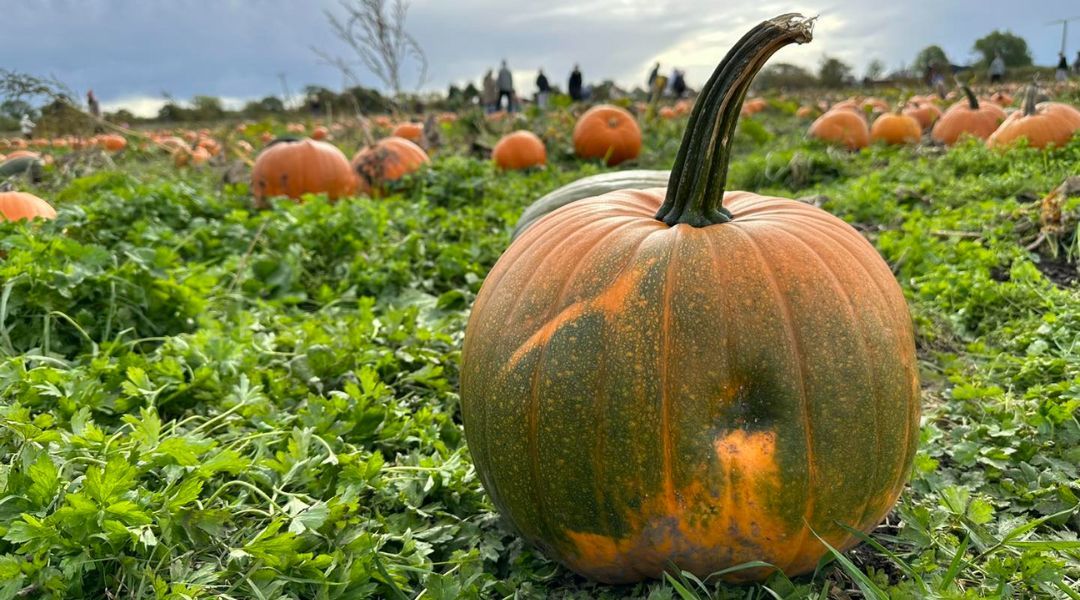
x,y
973,102
695,192
1030,97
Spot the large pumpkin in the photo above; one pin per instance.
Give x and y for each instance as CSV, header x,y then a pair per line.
x,y
923,111
20,205
1042,124
607,132
683,377
519,150
841,126
296,167
414,132
967,118
388,160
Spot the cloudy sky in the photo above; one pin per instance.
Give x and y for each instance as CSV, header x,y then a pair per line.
x,y
131,52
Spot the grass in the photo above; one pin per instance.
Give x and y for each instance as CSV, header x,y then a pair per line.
x,y
200,401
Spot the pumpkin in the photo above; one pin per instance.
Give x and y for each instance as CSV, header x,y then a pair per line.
x,y
588,187
414,132
607,132
112,142
691,379
519,150
200,156
924,112
31,166
806,112
875,105
896,128
1043,124
20,205
841,126
23,154
1001,98
754,105
388,160
668,112
296,167
320,133
967,117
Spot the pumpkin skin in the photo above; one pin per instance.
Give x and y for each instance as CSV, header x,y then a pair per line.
x,y
923,112
1042,125
841,126
607,131
519,150
413,132
587,187
112,142
20,205
320,133
671,376
897,129
294,168
967,117
388,160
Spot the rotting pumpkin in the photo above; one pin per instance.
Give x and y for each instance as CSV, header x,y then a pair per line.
x,y
692,378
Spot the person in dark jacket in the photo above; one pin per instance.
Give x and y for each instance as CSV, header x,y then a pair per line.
x,y
574,86
1062,67
505,83
678,85
543,90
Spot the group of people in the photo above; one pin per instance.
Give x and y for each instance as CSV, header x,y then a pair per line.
x,y
1062,72
675,85
497,87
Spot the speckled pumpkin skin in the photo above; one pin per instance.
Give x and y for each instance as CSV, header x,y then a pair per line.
x,y
635,393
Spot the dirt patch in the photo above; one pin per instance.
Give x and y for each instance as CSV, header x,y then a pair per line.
x,y
1058,270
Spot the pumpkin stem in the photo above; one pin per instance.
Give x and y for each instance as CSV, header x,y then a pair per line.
x,y
1030,97
973,102
695,192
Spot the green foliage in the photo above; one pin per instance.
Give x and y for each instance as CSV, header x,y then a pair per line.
x,y
833,72
1013,48
199,401
930,56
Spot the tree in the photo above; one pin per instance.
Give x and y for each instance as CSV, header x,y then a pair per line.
x,y
268,105
376,34
1013,48
875,70
207,108
833,72
784,76
930,55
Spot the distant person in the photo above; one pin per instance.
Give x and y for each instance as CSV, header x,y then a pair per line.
x,y
489,95
997,69
653,75
1076,65
543,90
27,126
574,86
92,104
1062,72
506,88
678,84
937,76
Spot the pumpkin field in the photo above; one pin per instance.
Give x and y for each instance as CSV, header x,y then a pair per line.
x,y
751,344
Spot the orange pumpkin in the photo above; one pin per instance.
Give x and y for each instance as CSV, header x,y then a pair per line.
x,y
607,132
519,150
754,106
388,160
296,167
23,154
924,112
1001,98
320,133
667,113
841,126
649,377
805,112
1042,125
896,128
967,117
112,142
20,205
414,132
200,156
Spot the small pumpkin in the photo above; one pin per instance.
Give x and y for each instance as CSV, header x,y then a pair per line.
x,y
649,381
607,132
21,205
967,117
667,113
320,133
842,126
388,160
754,105
1042,124
806,112
414,132
926,113
296,167
896,128
112,142
519,150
